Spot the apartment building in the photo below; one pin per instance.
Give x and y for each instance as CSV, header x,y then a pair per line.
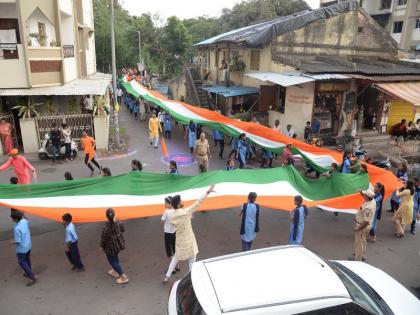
x,y
47,58
45,42
400,18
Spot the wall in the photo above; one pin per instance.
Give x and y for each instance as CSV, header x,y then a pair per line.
x,y
29,135
70,69
101,125
8,10
16,71
298,108
66,6
177,87
90,53
343,39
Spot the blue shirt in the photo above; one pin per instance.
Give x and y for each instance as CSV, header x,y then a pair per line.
x,y
346,167
22,236
250,222
71,235
174,171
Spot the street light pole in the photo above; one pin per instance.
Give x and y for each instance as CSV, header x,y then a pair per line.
x,y
114,76
138,33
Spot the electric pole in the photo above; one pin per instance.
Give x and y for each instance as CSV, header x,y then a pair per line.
x,y
114,76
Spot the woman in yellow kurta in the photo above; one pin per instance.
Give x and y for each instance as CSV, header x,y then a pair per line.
x,y
186,245
154,129
404,214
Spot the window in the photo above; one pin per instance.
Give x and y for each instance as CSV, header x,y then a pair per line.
x,y
282,99
41,29
385,4
187,302
255,60
402,2
398,26
418,23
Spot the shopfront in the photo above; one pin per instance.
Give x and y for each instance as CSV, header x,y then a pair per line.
x,y
328,102
400,101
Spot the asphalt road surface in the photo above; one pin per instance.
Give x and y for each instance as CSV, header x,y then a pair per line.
x,y
61,291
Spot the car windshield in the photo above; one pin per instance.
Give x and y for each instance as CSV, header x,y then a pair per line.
x,y
186,300
360,291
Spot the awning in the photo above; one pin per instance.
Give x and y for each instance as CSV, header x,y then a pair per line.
x,y
284,78
231,91
407,91
95,84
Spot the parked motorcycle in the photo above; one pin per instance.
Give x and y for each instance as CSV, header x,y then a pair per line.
x,y
46,151
382,163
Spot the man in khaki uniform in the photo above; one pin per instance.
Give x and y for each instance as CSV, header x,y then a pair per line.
x,y
202,153
364,218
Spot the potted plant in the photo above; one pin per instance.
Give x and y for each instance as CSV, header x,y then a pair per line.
x,y
27,109
41,38
99,105
237,64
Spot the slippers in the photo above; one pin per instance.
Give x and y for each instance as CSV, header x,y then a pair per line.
x,y
113,273
122,280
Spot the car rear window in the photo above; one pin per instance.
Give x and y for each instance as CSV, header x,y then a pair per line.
x,y
186,300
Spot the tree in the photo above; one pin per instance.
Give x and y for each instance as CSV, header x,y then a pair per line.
x,y
176,42
166,47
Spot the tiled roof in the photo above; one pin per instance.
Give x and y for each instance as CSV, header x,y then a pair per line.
x,y
366,66
95,84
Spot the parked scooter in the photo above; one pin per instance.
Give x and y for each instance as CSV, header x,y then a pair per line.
x,y
46,152
383,163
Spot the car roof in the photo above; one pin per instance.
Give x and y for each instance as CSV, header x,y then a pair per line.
x,y
266,277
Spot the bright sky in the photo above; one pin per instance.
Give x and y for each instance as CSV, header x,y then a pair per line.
x,y
184,8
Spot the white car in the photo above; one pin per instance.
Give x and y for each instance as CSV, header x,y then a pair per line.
x,y
287,280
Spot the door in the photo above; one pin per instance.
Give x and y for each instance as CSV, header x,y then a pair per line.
x,y
269,97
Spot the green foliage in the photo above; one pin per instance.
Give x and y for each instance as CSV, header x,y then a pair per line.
x,y
50,107
73,106
26,107
167,46
41,39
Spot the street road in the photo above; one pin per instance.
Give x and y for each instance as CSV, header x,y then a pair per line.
x,y
60,291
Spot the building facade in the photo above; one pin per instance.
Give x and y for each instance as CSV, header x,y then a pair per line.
x,y
47,58
314,65
46,42
400,18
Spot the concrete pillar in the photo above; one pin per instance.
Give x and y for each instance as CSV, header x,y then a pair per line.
x,y
29,135
101,126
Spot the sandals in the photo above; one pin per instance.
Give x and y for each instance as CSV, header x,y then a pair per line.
x,y
122,280
113,273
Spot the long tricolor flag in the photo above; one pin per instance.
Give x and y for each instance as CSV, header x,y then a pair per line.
x,y
319,158
141,194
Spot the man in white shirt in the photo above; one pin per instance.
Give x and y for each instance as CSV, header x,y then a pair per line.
x,y
289,131
277,126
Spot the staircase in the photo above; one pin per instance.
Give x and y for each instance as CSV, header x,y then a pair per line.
x,y
373,139
196,95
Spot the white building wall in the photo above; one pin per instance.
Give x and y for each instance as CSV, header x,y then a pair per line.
x,y
15,70
298,108
70,68
66,6
8,10
88,13
91,55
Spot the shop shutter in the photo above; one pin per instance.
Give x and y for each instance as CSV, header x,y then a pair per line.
x,y
399,110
